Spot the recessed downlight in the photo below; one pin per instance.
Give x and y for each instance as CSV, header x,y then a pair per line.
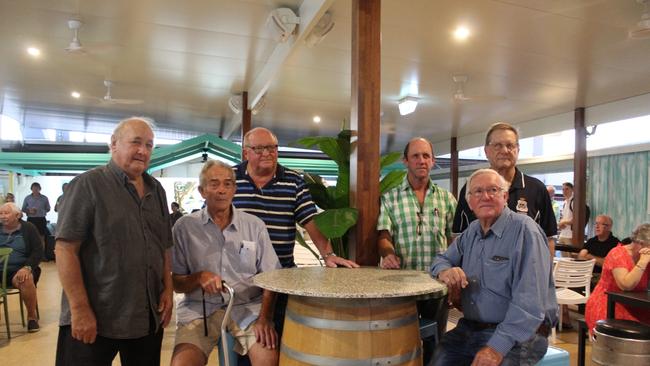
x,y
75,95
461,33
33,51
316,119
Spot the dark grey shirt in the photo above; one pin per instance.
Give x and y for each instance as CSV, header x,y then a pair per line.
x,y
123,242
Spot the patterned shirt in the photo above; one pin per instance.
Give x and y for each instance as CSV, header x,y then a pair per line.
x,y
419,233
281,203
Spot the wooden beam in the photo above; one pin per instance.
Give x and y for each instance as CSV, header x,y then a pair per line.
x,y
364,119
453,167
579,177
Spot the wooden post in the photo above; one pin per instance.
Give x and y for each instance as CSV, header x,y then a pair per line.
x,y
364,120
453,167
579,178
245,119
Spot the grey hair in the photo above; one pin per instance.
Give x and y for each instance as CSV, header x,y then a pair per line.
x,y
641,234
119,129
212,163
502,182
13,207
254,130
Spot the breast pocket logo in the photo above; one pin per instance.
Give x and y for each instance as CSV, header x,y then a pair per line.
x,y
522,205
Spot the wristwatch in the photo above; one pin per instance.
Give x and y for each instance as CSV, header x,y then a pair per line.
x,y
330,254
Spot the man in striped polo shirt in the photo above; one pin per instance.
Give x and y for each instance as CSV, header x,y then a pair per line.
x,y
278,196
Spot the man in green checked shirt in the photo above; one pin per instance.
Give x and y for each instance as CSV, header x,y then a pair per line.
x,y
415,224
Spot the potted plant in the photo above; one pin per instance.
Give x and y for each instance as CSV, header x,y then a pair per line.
x,y
337,217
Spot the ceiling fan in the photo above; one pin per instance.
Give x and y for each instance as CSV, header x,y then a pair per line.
x,y
460,96
641,30
75,45
108,98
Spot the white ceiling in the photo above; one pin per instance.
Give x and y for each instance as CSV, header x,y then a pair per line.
x,y
529,59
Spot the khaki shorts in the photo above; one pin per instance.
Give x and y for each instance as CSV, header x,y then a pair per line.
x,y
192,333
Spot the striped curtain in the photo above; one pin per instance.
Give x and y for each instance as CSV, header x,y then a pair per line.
x,y
618,187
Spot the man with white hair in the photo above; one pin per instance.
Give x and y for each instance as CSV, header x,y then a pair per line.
x,y
498,270
113,256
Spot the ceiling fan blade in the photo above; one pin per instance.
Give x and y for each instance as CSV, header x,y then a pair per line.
x,y
124,101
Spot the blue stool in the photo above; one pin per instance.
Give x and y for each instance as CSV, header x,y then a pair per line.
x,y
554,357
230,348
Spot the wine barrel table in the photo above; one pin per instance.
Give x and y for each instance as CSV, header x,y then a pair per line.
x,y
350,317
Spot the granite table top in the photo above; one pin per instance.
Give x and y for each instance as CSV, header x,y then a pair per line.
x,y
361,283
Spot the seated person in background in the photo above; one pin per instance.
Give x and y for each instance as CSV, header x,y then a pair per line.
x,y
599,246
625,269
23,238
221,243
500,268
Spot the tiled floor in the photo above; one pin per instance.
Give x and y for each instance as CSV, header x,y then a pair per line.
x,y
36,349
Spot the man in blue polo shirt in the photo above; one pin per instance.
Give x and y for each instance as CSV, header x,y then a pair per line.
x,y
278,196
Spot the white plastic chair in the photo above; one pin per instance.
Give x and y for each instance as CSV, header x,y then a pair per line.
x,y
570,274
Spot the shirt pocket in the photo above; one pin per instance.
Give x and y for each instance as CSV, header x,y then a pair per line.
x,y
496,275
248,256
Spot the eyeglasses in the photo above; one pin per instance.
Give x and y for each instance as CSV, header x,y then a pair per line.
x,y
601,224
499,146
259,150
491,192
418,228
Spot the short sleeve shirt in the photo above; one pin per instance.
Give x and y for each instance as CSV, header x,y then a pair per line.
x,y
123,243
281,203
600,249
419,233
239,252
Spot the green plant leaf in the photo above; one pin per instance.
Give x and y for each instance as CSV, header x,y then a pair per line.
x,y
319,193
335,223
304,244
328,145
391,180
389,159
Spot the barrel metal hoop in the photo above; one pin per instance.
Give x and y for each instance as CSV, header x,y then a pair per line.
x,y
328,361
351,325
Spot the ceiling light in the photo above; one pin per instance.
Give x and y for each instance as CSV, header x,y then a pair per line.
x,y
407,105
75,95
461,33
316,119
33,51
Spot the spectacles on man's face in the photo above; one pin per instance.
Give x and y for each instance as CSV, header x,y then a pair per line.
x,y
498,146
491,192
601,224
259,150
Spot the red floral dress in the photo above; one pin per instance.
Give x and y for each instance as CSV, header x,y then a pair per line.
x,y
597,302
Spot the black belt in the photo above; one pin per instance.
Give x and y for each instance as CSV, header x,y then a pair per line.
x,y
543,330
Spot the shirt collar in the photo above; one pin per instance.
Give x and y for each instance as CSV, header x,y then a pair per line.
x,y
518,180
234,222
405,186
499,226
279,170
121,175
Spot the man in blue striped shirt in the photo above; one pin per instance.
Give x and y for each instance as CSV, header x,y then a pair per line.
x,y
499,272
278,196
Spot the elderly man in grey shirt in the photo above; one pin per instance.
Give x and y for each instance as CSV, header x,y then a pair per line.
x,y
113,256
220,243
